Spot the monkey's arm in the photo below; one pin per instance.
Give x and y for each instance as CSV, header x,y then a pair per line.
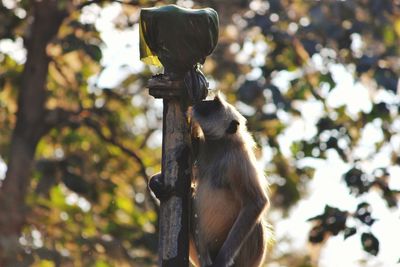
x,y
157,184
254,201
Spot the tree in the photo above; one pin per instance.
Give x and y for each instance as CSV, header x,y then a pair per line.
x,y
78,156
55,108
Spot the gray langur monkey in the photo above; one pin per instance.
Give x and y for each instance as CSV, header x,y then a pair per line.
x,y
229,195
230,190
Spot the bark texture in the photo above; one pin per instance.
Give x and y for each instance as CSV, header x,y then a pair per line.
x,y
176,168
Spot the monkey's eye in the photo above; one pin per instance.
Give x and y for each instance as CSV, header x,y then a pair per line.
x,y
233,126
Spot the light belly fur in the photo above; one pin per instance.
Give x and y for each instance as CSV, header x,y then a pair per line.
x,y
217,210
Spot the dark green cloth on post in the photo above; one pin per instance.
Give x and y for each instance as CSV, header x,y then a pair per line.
x,y
177,37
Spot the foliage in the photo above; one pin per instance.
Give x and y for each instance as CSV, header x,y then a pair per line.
x,y
87,198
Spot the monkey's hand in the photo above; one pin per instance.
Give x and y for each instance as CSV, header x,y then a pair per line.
x,y
159,188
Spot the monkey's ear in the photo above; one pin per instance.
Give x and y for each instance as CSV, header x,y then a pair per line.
x,y
232,128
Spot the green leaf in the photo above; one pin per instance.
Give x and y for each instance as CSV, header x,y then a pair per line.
x,y
57,197
101,263
370,243
46,263
93,51
76,183
349,231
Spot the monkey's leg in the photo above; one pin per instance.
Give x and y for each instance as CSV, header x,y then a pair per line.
x,y
159,188
252,252
202,251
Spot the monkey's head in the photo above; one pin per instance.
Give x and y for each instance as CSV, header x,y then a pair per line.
x,y
217,118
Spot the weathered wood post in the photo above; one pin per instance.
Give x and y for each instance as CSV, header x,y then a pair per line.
x,y
179,39
176,170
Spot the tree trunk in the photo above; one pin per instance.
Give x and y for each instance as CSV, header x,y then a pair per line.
x,y
29,127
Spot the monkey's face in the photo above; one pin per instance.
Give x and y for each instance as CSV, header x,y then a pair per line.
x,y
217,118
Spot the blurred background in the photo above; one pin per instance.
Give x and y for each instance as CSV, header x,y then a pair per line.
x,y
79,135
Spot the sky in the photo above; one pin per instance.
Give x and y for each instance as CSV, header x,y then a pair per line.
x,y
121,59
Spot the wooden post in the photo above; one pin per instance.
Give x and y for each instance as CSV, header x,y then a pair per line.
x,y
176,169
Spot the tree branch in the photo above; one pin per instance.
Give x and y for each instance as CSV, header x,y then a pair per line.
x,y
60,117
109,139
28,128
